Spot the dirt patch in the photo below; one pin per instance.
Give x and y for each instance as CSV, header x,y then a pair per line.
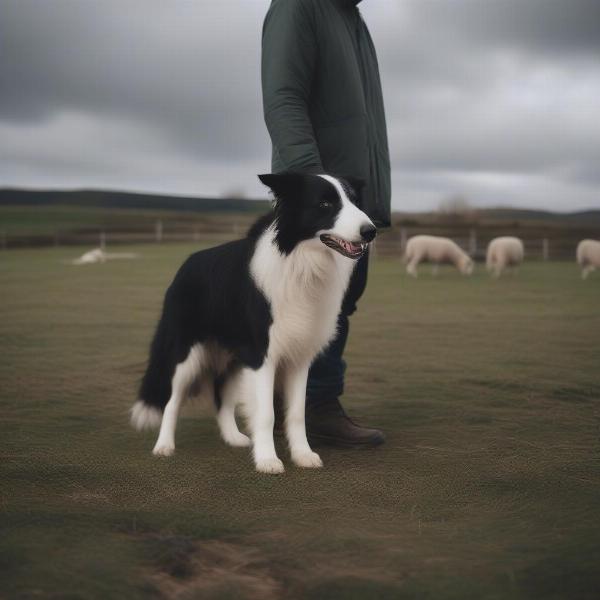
x,y
213,569
252,568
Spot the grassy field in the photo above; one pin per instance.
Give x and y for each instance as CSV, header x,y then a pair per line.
x,y
488,486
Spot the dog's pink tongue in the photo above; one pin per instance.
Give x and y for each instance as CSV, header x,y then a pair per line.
x,y
349,247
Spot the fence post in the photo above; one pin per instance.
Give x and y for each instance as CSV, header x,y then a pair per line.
x,y
159,231
473,242
102,240
545,249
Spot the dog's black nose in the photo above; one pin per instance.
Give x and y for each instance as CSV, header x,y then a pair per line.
x,y
368,232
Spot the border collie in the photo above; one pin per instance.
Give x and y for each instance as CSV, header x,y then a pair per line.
x,y
258,309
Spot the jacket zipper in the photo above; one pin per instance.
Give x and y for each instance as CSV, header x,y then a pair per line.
x,y
372,170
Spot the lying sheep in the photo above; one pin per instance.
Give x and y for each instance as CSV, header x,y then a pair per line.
x,y
93,256
437,250
502,253
100,256
588,256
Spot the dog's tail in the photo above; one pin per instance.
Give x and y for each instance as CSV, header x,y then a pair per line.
x,y
155,388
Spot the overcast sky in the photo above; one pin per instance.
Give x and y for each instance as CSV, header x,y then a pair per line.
x,y
495,100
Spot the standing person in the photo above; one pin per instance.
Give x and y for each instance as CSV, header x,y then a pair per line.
x,y
323,107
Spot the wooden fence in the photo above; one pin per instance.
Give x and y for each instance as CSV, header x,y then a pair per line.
x,y
541,242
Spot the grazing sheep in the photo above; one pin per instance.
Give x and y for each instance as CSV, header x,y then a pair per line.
x,y
436,250
504,252
588,256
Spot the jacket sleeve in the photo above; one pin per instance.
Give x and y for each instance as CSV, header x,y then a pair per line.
x,y
289,53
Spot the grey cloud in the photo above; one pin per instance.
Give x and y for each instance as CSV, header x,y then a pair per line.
x,y
545,26
143,61
493,87
495,97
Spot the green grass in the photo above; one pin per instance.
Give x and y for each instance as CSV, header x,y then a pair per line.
x,y
488,485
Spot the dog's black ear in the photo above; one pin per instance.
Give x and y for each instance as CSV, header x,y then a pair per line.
x,y
283,185
356,183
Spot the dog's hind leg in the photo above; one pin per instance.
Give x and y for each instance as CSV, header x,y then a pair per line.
x,y
185,374
228,391
294,386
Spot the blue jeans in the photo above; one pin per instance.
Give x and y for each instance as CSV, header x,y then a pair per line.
x,y
326,375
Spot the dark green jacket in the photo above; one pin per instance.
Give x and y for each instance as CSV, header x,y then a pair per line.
x,y
322,96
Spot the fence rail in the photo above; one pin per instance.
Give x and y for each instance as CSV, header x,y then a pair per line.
x,y
540,242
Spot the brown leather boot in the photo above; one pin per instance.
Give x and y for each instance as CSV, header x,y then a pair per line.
x,y
327,424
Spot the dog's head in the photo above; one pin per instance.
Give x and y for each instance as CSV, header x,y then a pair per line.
x,y
321,209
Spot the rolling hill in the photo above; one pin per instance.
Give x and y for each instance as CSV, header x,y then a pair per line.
x,y
130,200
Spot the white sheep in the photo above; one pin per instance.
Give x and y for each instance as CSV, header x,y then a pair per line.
x,y
436,250
588,256
98,255
93,256
504,252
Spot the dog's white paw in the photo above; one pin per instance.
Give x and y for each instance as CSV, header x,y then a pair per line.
x,y
237,440
307,460
163,450
269,465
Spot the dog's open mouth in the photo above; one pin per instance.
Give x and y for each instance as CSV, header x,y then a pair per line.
x,y
350,249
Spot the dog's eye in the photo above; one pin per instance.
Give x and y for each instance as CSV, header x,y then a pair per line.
x,y
325,205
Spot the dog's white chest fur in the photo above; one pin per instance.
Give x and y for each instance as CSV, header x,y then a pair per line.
x,y
305,290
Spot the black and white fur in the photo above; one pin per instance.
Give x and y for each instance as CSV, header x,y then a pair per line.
x,y
253,314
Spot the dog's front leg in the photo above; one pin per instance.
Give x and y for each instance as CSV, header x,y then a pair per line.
x,y
294,383
265,457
